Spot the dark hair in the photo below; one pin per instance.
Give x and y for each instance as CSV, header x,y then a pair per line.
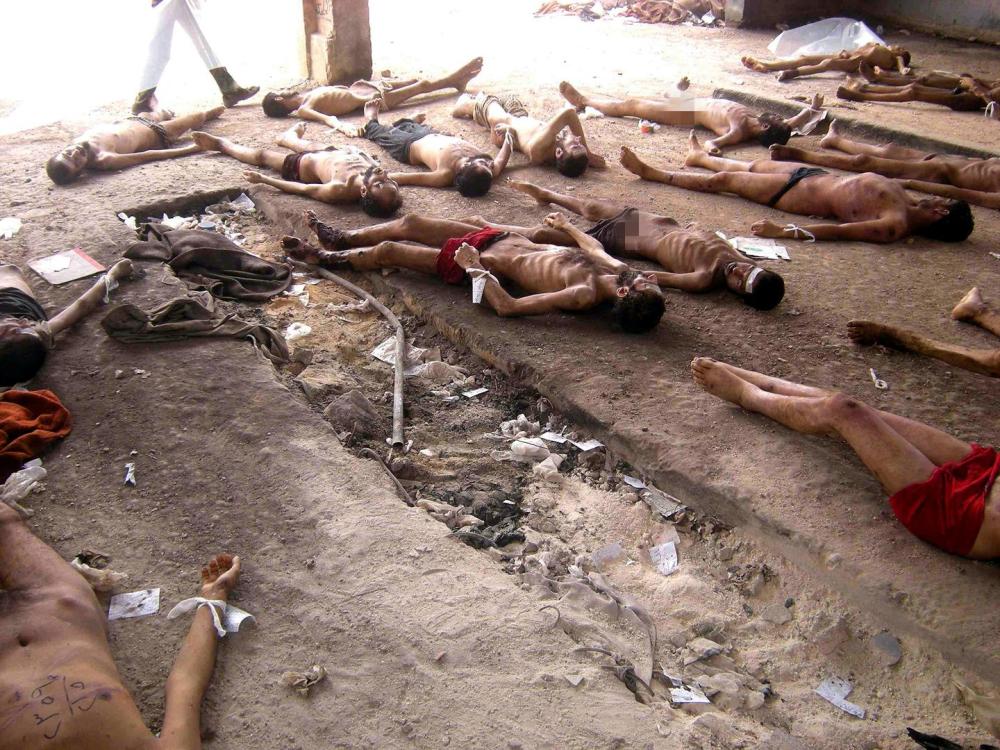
x,y
572,163
768,290
21,356
474,179
373,207
638,311
59,170
954,226
778,131
273,107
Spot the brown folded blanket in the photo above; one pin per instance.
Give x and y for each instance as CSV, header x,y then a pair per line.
x,y
190,317
213,262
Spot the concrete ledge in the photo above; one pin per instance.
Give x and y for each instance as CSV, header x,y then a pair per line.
x,y
856,127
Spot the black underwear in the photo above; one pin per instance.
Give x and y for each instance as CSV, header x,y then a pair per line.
x,y
293,163
794,179
397,138
16,304
155,127
611,233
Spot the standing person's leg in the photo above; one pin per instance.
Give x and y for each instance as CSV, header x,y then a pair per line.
x,y
588,208
178,126
232,93
165,15
972,308
258,157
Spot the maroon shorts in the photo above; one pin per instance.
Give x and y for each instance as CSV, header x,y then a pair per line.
x,y
447,268
947,509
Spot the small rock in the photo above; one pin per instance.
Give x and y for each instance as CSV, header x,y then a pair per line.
x,y
320,383
887,648
725,553
353,411
776,613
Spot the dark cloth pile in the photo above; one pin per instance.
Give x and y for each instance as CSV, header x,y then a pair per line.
x,y
190,317
212,262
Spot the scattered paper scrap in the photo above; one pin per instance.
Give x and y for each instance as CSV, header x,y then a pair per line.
x,y
554,437
9,226
128,221
758,247
995,255
474,392
134,604
587,445
664,557
836,690
688,694
66,266
633,482
664,504
302,681
130,474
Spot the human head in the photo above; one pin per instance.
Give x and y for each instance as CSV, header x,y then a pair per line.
x,y
22,351
475,177
950,221
773,129
571,157
67,165
279,103
379,194
759,288
639,304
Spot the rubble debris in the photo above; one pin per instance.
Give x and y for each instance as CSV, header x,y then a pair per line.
x,y
692,12
887,648
664,557
354,413
20,484
986,708
836,690
301,682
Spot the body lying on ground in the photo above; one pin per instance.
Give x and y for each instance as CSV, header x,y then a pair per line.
x,y
942,489
560,140
451,160
693,259
26,332
555,278
332,174
871,55
125,143
872,207
326,104
61,688
732,122
960,177
953,83
971,309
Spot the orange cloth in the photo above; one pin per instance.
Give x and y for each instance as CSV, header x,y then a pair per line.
x,y
30,421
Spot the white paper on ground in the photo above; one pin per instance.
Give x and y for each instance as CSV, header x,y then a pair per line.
x,y
687,695
836,690
553,437
9,226
134,604
415,356
475,392
129,474
633,482
759,247
587,445
664,557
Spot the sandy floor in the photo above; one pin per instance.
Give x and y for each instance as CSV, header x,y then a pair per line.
x,y
430,643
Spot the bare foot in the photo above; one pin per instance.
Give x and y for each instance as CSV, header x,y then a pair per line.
x,y
695,151
817,101
850,93
631,162
571,95
772,384
329,237
420,117
969,306
466,73
205,141
865,332
528,189
750,62
832,137
219,576
718,380
783,153
292,135
214,113
303,252
788,75
372,108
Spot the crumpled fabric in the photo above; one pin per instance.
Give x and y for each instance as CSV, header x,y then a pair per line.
x,y
30,421
231,616
190,317
213,262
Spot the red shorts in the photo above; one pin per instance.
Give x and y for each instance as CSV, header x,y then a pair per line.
x,y
947,509
447,268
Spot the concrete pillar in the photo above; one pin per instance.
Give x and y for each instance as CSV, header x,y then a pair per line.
x,y
337,41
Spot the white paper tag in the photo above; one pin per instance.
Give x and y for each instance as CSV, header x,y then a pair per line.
x,y
687,695
836,690
553,437
664,557
633,482
474,392
478,285
134,604
587,445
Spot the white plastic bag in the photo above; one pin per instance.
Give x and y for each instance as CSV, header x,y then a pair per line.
x,y
19,484
826,37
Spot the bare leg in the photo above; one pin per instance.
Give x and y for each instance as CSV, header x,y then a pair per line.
x,y
292,139
963,102
932,171
588,208
975,197
983,361
844,64
258,157
412,227
457,80
764,66
973,309
698,157
179,125
834,140
891,458
649,109
386,254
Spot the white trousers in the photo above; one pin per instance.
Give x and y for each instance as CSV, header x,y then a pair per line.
x,y
171,12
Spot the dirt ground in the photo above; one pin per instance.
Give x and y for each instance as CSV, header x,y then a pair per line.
x,y
790,558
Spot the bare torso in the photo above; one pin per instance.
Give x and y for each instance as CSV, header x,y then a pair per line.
x,y
122,137
542,268
975,174
689,250
855,198
438,151
345,165
338,100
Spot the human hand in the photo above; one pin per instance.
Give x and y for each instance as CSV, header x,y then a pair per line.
x,y
556,220
467,256
253,177
767,228
219,577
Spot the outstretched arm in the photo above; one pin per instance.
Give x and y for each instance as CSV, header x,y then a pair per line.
x,y
975,197
696,281
503,155
307,113
195,661
584,241
328,192
90,299
107,161
736,134
437,178
886,229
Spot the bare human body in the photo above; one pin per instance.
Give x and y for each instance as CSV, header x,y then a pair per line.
x,y
732,122
26,333
958,100
127,143
971,309
450,160
556,278
871,55
873,208
326,104
315,170
987,90
59,686
694,260
560,140
917,465
961,177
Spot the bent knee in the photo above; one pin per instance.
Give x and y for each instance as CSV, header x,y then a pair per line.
x,y
840,407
